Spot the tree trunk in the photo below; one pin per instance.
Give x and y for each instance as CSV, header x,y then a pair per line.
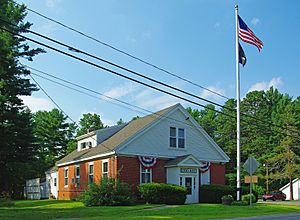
x,y
291,188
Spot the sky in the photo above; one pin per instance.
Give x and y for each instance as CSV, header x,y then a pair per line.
x,y
194,39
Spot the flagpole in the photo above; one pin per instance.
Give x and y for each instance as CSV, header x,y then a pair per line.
x,y
238,178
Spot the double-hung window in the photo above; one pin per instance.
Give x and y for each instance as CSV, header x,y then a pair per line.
x,y
177,137
146,175
54,182
91,173
66,176
105,168
173,137
77,175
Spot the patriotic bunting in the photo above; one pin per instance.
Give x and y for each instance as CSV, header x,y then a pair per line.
x,y
147,162
204,167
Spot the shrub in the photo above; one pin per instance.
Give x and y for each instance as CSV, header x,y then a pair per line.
x,y
109,192
214,193
227,199
5,200
160,193
239,203
246,198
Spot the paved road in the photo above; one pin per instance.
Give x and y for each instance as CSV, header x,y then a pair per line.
x,y
293,216
281,202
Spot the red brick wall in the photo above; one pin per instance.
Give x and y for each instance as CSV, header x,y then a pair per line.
x,y
129,171
217,174
71,192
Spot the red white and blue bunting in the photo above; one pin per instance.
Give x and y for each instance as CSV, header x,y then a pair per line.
x,y
204,167
147,162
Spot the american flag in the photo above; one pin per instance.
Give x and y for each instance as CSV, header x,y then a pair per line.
x,y
246,35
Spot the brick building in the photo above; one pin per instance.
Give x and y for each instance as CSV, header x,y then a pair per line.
x,y
168,146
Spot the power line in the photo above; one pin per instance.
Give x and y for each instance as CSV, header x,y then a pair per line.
x,y
129,78
96,97
136,73
126,53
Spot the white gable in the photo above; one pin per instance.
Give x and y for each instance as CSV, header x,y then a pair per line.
x,y
154,139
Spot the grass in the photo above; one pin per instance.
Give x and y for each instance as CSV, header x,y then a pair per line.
x,y
52,209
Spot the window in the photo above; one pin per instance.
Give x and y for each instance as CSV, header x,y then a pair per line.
x,y
180,138
172,137
83,145
146,175
177,137
54,182
77,175
105,168
66,176
91,173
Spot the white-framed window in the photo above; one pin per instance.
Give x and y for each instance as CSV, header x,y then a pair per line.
x,y
173,137
54,182
181,138
91,173
66,176
105,168
177,137
77,175
145,175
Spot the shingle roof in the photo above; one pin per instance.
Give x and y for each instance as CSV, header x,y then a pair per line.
x,y
114,139
177,160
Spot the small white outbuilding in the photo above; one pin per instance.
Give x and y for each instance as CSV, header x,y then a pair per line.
x,y
296,189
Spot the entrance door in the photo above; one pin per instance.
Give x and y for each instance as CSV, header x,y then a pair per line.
x,y
190,184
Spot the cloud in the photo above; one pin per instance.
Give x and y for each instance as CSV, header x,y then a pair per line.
x,y
47,28
148,99
275,82
35,103
255,21
52,3
120,91
207,94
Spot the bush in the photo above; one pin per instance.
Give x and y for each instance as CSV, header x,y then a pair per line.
x,y
214,193
227,199
109,192
5,200
246,198
239,203
161,193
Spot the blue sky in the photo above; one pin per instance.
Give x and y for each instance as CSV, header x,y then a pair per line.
x,y
194,39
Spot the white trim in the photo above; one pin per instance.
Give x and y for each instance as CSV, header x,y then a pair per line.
x,y
88,158
288,185
151,170
105,161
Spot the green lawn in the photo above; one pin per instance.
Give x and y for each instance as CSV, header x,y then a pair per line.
x,y
52,209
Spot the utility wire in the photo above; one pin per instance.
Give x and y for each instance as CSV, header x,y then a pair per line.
x,y
107,98
129,78
125,53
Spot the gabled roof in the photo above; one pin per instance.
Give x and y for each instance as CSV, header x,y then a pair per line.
x,y
186,160
288,185
113,139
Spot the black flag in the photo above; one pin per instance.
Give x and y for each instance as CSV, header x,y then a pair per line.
x,y
242,56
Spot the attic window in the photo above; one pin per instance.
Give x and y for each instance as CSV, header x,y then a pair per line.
x,y
177,137
83,145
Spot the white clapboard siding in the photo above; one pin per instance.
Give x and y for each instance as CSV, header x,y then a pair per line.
x,y
154,140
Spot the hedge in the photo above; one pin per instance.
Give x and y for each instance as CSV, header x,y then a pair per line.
x,y
161,193
214,193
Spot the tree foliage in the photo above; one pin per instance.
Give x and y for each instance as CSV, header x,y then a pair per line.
x,y
16,149
271,134
89,122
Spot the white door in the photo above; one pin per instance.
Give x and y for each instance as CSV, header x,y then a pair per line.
x,y
189,182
